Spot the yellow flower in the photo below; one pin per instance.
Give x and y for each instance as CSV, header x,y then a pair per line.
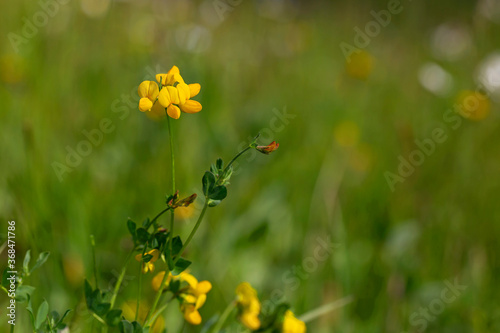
x,y
192,297
129,309
473,105
149,266
148,91
249,305
174,96
359,65
292,324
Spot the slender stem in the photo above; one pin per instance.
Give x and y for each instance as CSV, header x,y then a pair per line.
x,y
223,317
92,242
120,278
156,217
195,228
171,230
324,309
172,159
139,289
235,158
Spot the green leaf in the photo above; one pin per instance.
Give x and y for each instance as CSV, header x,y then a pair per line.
x,y
61,321
22,293
101,308
30,311
138,328
213,203
219,163
89,297
176,245
41,314
147,257
126,327
180,266
113,317
42,258
142,235
54,318
174,286
131,225
208,182
145,222
218,193
26,262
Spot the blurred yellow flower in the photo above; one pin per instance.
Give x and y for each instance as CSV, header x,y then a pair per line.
x,y
149,266
175,95
473,105
359,65
346,134
249,305
129,309
292,324
193,296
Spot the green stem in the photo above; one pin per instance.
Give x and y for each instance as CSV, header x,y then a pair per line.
x,y
120,278
223,317
139,289
195,228
158,294
156,218
235,158
92,242
171,230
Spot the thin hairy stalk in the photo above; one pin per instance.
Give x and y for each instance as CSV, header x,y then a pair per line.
x,y
120,278
222,319
324,309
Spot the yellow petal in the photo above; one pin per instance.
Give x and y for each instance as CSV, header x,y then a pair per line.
x,y
174,94
191,106
250,320
174,70
155,283
161,78
203,287
191,299
184,92
200,301
192,315
143,89
194,89
292,324
190,279
173,111
153,91
164,97
157,112
155,253
145,104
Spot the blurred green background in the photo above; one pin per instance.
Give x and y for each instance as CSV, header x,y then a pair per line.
x,y
348,125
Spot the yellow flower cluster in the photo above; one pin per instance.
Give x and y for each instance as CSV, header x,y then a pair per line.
x,y
292,324
173,94
193,296
249,306
149,266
